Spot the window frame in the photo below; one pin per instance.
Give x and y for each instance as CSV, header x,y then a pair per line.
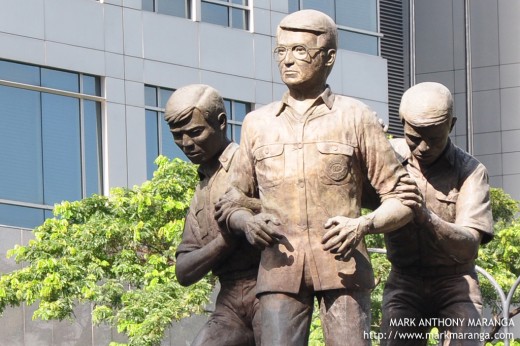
x,y
377,34
194,11
81,97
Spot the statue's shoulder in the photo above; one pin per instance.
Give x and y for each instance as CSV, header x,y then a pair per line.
x,y
352,106
263,113
401,149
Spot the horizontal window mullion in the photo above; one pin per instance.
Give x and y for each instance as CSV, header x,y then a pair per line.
x,y
26,204
51,91
155,109
360,31
229,4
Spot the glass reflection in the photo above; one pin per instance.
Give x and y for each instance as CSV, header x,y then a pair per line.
x,y
152,142
172,7
325,6
150,96
92,146
21,176
357,14
239,19
358,42
14,215
215,14
91,85
20,73
164,95
60,80
61,148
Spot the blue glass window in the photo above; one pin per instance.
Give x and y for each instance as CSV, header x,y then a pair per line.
x,y
236,112
61,80
159,140
178,8
19,73
357,21
231,13
215,14
21,176
50,141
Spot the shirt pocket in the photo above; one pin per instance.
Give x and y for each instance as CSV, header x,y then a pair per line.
x,y
448,203
335,163
270,165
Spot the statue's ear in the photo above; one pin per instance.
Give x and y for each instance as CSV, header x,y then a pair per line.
x,y
331,57
453,122
222,121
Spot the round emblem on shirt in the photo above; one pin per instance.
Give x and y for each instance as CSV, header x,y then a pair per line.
x,y
337,169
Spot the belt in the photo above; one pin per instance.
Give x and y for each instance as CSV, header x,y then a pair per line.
x,y
239,275
435,271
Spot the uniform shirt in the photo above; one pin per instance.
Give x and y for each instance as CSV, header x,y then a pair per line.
x,y
455,188
306,169
201,227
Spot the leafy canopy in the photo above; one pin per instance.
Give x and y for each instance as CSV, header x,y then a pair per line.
x,y
117,252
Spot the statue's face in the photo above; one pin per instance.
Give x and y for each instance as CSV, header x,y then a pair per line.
x,y
427,143
296,73
198,139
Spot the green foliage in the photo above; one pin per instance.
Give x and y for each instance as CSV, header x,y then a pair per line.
x,y
316,334
117,252
501,256
504,207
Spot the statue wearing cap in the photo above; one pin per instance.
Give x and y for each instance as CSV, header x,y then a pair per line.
x,y
307,158
433,257
197,119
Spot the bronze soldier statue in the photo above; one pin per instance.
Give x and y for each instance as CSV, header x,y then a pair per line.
x,y
197,119
433,279
306,158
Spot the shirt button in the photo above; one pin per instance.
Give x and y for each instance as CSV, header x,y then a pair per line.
x,y
300,145
301,184
266,150
335,148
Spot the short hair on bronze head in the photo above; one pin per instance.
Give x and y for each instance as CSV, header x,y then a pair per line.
x,y
426,104
312,21
185,100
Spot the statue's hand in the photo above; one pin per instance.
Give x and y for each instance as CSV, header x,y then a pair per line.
x,y
260,231
232,200
344,234
410,195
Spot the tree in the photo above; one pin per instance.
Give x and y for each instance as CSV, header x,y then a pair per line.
x,y
501,256
117,252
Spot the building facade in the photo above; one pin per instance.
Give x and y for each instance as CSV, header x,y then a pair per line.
x,y
446,49
83,84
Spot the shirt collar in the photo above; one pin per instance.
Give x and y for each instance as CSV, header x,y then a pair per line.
x,y
225,159
326,97
227,155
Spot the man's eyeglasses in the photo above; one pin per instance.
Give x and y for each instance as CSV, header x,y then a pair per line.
x,y
300,52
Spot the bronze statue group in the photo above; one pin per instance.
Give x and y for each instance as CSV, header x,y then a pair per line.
x,y
278,217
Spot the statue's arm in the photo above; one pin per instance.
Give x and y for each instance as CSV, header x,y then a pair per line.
x,y
195,261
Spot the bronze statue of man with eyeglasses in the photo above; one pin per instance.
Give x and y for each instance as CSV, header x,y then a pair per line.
x,y
307,158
